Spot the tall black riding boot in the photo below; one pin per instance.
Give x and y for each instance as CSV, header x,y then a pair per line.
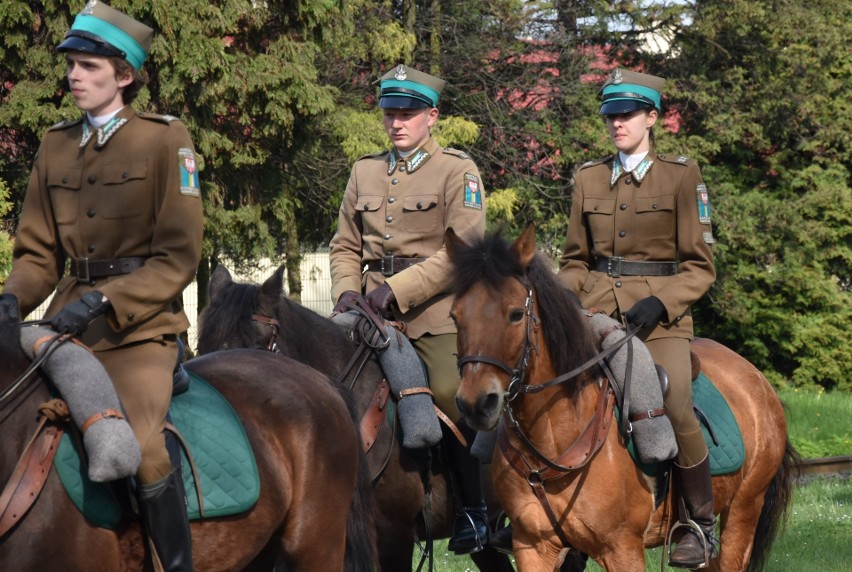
x,y
694,549
163,508
470,530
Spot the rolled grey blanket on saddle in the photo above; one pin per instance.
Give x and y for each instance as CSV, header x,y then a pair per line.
x,y
654,437
405,371
112,449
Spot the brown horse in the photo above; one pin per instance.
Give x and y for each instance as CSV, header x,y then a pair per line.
x,y
307,451
516,321
413,500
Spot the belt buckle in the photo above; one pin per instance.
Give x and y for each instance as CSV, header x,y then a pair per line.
x,y
613,266
387,265
85,263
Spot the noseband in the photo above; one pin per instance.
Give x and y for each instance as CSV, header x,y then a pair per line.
x,y
272,344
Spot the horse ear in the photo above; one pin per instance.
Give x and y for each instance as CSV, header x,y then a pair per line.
x,y
524,246
452,243
220,278
274,284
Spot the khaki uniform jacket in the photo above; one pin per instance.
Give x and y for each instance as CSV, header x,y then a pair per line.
x,y
658,212
131,190
403,206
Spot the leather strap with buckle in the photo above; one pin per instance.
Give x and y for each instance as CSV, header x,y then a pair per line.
x,y
389,264
86,270
616,266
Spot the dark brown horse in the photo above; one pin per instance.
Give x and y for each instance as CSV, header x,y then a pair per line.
x,y
412,499
307,451
516,321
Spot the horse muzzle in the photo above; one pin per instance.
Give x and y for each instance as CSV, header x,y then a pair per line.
x,y
481,409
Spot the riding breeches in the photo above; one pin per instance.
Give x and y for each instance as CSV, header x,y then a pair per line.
x,y
673,355
439,355
142,374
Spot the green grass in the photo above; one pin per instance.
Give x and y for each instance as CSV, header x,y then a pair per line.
x,y
818,537
819,423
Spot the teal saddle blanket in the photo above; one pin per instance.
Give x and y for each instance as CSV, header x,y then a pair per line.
x,y
723,437
226,468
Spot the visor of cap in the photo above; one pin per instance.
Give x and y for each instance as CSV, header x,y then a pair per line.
x,y
82,42
619,106
111,35
402,102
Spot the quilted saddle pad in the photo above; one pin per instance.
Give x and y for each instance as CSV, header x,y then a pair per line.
x,y
727,451
227,471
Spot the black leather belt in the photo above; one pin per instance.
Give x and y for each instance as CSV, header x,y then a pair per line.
x,y
389,264
616,266
86,270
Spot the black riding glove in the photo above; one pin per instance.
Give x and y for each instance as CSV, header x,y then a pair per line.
x,y
380,300
646,313
343,301
75,317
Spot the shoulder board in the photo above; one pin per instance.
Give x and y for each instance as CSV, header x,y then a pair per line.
x,y
66,124
594,162
157,117
455,153
374,155
676,159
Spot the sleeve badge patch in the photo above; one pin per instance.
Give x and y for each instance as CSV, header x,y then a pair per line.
x,y
472,192
703,204
188,173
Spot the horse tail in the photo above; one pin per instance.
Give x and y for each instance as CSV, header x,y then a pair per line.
x,y
776,504
361,546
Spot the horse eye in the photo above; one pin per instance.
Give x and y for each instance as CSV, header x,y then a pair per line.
x,y
516,315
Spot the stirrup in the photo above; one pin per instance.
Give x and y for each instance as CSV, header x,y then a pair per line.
x,y
478,540
705,542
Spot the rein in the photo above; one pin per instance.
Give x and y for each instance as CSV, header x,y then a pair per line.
x,y
49,347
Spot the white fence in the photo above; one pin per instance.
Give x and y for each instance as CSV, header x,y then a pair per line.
x,y
316,288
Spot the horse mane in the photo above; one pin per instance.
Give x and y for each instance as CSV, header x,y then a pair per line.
x,y
227,314
491,260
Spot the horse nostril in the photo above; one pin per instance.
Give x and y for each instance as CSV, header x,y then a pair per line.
x,y
462,407
489,403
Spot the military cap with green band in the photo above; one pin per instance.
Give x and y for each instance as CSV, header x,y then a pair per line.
x,y
102,30
406,88
625,91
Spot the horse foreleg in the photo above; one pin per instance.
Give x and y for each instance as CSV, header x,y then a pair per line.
x,y
489,560
532,553
625,554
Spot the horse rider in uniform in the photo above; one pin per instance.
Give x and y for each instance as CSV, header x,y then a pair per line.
x,y
395,209
638,248
114,197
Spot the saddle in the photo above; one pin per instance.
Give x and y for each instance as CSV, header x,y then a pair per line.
x,y
718,425
217,464
215,458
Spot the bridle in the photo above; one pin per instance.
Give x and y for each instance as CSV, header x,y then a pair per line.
x,y
590,440
272,344
517,374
